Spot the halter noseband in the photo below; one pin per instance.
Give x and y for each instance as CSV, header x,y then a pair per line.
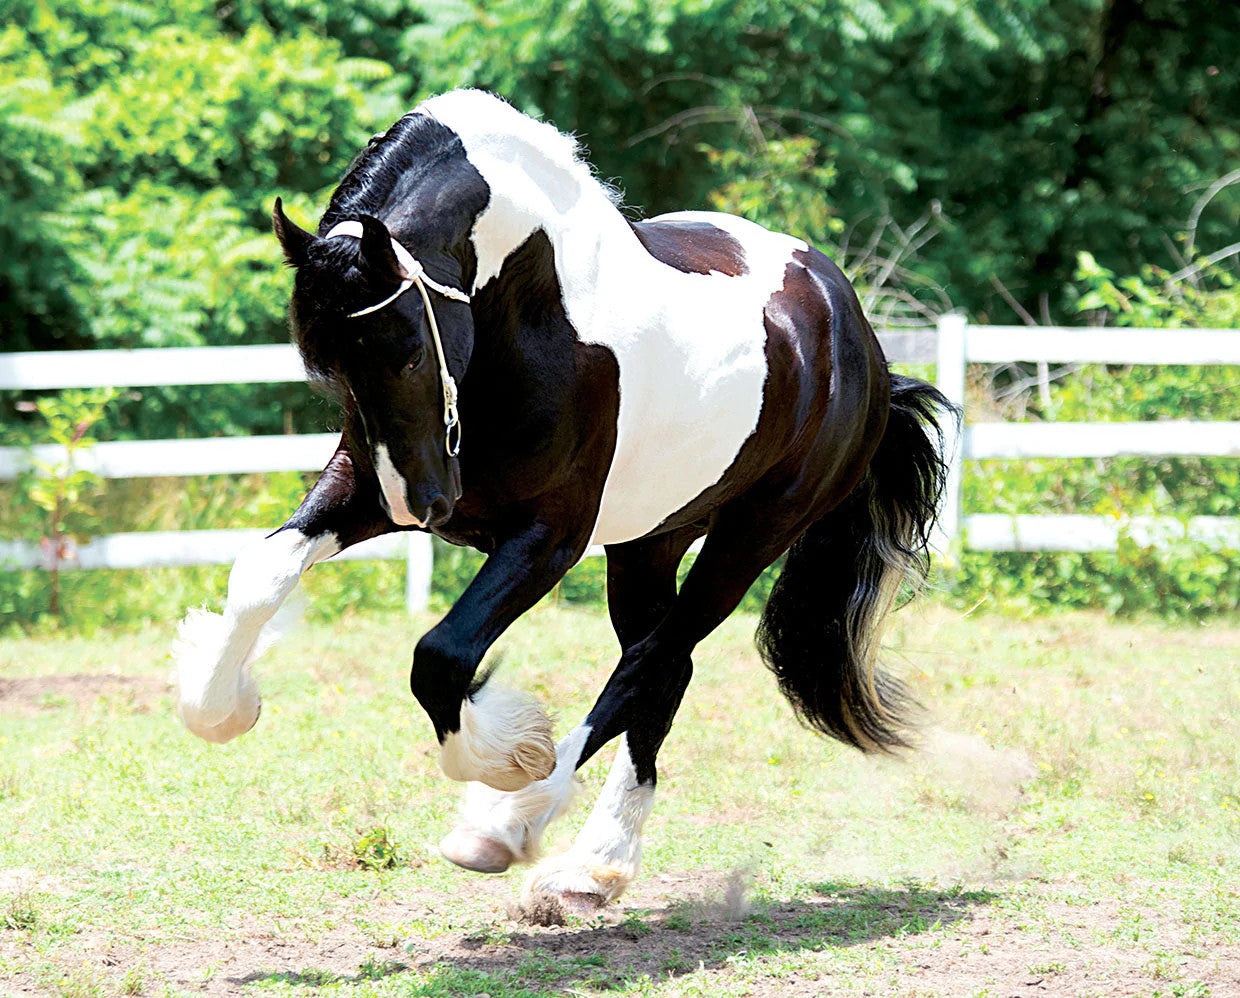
x,y
413,273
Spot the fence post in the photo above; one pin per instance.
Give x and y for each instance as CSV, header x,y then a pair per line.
x,y
950,379
419,561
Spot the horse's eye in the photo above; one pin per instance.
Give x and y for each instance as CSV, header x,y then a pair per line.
x,y
415,359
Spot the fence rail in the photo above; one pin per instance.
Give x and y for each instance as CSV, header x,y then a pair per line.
x,y
1077,532
960,345
244,365
951,347
182,458
1172,438
1067,345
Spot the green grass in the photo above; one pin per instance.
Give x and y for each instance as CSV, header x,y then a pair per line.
x,y
1075,818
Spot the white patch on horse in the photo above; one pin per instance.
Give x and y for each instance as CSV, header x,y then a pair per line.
x,y
690,347
393,489
214,653
504,740
606,853
498,829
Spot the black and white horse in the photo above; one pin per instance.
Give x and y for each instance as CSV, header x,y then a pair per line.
x,y
636,385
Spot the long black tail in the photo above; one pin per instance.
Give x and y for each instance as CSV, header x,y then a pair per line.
x,y
820,630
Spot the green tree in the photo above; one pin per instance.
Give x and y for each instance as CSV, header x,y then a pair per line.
x,y
142,147
40,132
1036,128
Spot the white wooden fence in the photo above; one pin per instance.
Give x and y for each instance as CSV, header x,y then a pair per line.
x,y
960,345
952,347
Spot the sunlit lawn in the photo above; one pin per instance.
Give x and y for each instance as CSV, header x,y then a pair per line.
x,y
1074,821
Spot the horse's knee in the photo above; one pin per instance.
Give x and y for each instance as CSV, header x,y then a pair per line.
x,y
440,678
217,696
264,573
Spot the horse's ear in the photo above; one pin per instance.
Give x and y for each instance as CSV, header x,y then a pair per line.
x,y
293,238
378,259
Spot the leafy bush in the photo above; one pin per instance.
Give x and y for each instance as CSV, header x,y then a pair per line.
x,y
1178,582
58,496
142,148
376,850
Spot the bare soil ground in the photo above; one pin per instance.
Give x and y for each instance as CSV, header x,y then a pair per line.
x,y
34,693
679,923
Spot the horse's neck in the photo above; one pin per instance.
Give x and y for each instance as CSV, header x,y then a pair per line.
x,y
530,192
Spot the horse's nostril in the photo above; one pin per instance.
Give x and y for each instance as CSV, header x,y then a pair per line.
x,y
440,508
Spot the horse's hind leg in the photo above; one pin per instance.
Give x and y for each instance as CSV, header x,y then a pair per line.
x,y
498,829
744,539
604,857
603,860
642,695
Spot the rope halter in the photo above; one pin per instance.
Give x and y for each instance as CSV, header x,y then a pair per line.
x,y
413,273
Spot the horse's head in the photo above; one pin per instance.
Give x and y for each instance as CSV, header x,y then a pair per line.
x,y
361,322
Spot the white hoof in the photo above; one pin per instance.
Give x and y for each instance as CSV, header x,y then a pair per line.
x,y
581,883
472,851
215,700
504,741
241,720
606,854
499,829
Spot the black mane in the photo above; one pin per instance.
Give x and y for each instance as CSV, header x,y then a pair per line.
x,y
391,164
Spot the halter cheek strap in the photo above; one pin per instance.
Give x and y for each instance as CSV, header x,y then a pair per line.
x,y
413,273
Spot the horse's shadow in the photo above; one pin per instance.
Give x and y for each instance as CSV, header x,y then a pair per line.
x,y
684,937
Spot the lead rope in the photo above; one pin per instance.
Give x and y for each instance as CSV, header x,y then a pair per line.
x,y
413,273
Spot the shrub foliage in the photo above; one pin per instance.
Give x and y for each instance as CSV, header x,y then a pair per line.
x,y
1070,161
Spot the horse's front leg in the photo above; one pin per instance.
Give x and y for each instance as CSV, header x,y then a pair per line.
x,y
498,829
488,733
218,696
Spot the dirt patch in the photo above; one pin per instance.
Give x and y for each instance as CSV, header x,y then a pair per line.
x,y
20,880
541,909
986,779
25,695
1011,959
936,943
